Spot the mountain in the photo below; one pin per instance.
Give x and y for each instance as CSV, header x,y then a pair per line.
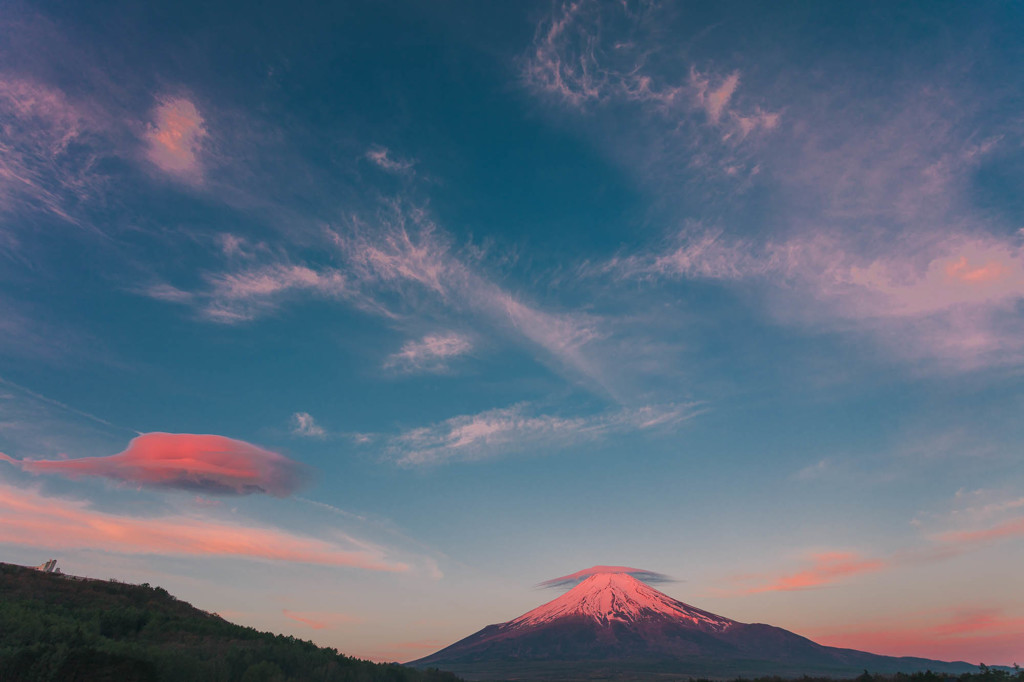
x,y
58,627
613,626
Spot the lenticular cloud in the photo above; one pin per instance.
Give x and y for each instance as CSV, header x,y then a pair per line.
x,y
205,463
573,579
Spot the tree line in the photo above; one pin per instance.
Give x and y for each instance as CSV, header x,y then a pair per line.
x,y
54,628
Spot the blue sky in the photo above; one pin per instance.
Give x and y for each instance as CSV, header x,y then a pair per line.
x,y
434,302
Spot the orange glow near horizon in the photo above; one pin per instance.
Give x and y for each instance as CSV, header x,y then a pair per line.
x,y
976,635
28,518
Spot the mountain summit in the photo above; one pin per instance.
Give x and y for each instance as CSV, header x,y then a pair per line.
x,y
613,625
611,597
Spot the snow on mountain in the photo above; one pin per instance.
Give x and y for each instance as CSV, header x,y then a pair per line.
x,y
607,597
612,626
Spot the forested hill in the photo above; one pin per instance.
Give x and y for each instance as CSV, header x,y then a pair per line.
x,y
54,627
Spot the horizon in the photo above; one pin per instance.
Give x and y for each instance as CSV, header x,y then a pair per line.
x,y
360,323
541,614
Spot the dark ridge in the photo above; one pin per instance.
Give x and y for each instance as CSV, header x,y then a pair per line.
x,y
62,628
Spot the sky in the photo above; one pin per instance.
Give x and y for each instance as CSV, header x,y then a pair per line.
x,y
360,322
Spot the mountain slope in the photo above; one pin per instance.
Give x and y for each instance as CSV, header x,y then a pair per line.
x,y
610,597
613,625
55,627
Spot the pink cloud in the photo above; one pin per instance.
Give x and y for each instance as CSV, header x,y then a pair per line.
x,y
963,271
947,272
30,519
976,621
826,568
175,138
208,463
970,634
830,567
960,271
765,120
304,619
714,101
876,232
319,620
1010,528
948,297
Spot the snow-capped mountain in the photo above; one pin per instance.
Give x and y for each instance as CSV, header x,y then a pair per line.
x,y
608,597
613,625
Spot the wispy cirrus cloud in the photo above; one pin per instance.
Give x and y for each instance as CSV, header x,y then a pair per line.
x,y
384,159
411,257
402,267
1006,529
589,53
399,248
502,431
826,568
26,331
576,77
814,471
483,435
978,507
207,463
31,519
174,138
432,353
49,149
952,298
714,100
243,295
871,230
948,271
976,518
304,425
